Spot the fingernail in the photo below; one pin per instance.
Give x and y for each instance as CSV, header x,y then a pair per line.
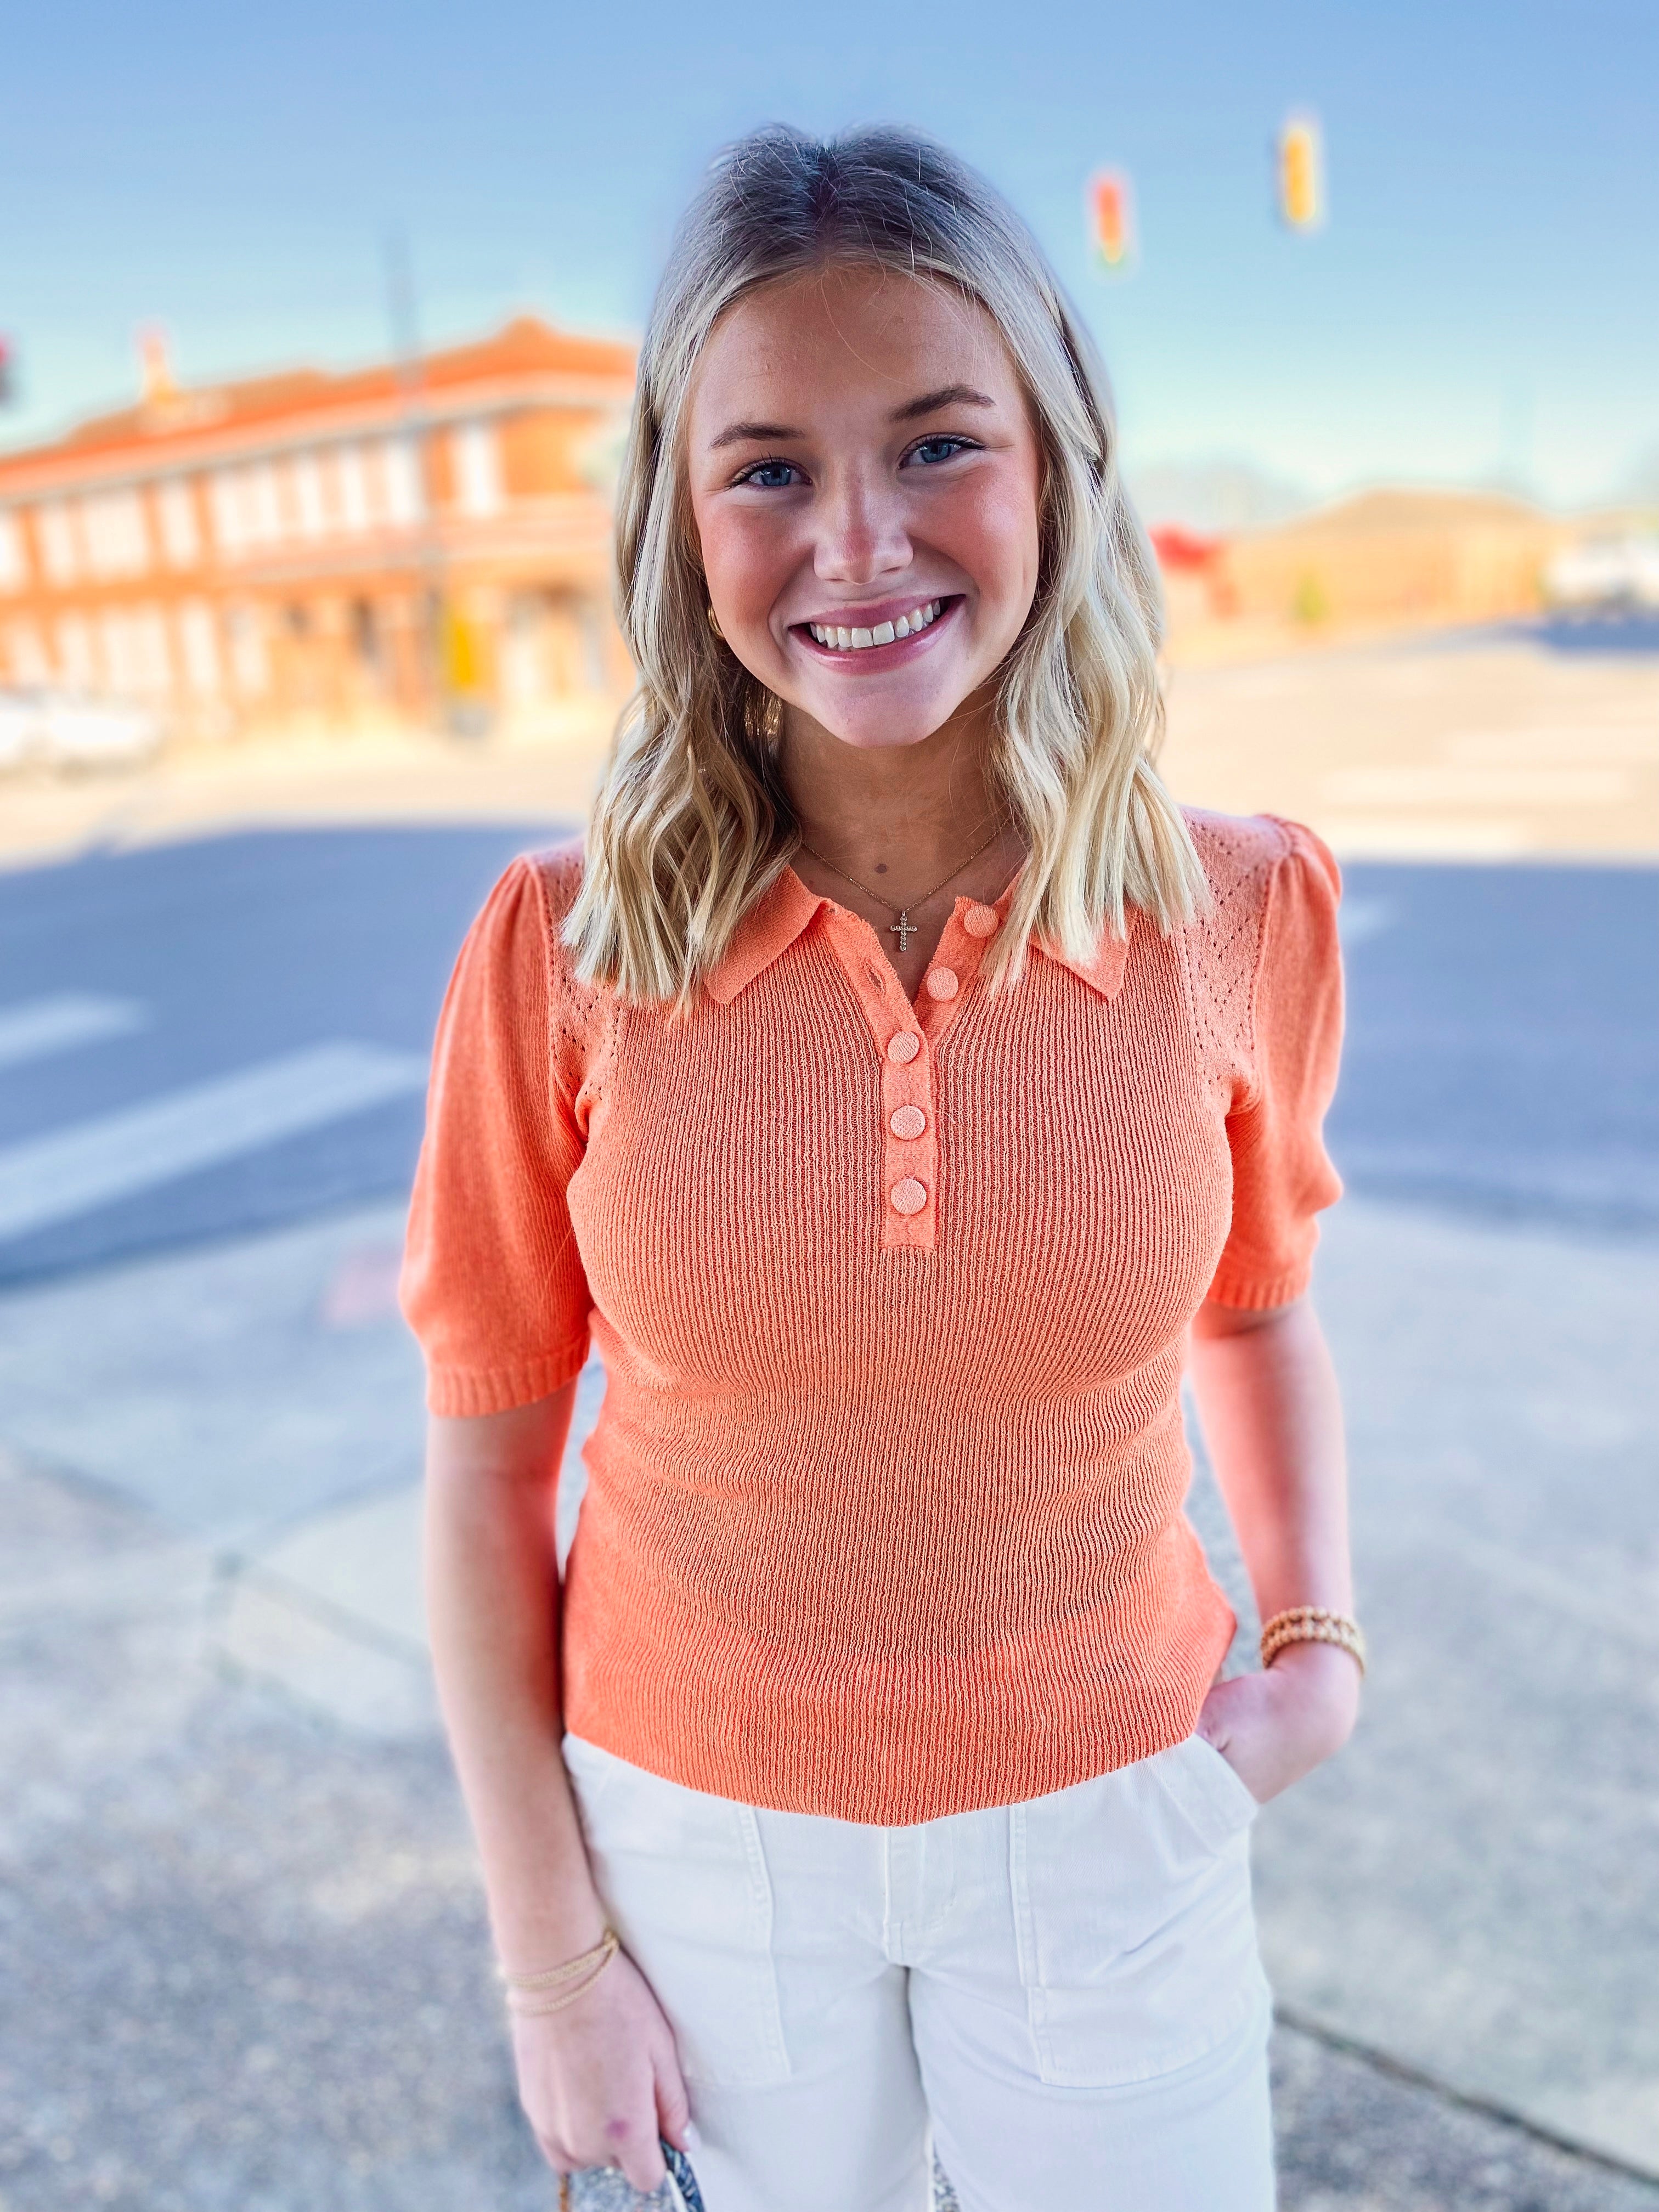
x,y
693,2140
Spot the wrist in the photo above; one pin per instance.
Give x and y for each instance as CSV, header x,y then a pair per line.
x,y
1322,1681
555,1989
533,1943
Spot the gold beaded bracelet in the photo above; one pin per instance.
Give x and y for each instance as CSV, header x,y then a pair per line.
x,y
534,1995
1312,1624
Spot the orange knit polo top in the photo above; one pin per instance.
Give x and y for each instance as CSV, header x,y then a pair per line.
x,y
884,1516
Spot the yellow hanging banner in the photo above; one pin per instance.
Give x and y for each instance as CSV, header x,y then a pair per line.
x,y
1302,173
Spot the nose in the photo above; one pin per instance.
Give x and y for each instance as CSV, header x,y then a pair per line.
x,y
861,534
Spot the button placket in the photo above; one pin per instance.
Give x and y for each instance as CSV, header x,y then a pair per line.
x,y
910,1170
907,1038
909,1162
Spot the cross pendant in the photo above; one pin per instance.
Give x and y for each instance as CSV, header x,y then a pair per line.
x,y
904,929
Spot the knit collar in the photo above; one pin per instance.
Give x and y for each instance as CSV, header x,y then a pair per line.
x,y
788,909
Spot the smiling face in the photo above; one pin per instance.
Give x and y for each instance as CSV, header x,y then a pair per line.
x,y
865,479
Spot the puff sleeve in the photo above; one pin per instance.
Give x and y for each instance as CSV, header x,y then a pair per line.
x,y
1282,1175
492,1285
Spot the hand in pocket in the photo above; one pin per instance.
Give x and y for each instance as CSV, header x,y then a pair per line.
x,y
1274,1727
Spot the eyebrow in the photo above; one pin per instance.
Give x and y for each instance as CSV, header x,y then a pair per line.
x,y
754,434
775,433
948,395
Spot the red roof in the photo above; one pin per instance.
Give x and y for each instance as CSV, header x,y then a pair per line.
x,y
212,416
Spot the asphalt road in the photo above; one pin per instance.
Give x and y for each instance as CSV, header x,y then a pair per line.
x,y
210,1487
207,1038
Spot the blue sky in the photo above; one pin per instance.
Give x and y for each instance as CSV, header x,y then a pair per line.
x,y
1485,300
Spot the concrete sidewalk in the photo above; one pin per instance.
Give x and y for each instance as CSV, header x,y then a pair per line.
x,y
1428,744
249,1963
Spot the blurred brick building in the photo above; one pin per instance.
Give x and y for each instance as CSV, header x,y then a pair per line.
x,y
1386,558
1397,557
424,541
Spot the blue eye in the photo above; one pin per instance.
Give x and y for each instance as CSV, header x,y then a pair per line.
x,y
932,451
769,476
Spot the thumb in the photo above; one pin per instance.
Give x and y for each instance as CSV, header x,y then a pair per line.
x,y
673,2106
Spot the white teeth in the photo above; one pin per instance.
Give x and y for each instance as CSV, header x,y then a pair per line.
x,y
860,640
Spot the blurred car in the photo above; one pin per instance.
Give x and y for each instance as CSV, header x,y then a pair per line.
x,y
1605,573
66,729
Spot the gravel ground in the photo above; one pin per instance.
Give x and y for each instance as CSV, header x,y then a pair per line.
x,y
244,1960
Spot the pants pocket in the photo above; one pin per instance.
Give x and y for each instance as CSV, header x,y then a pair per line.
x,y
1209,1788
1137,1941
683,1877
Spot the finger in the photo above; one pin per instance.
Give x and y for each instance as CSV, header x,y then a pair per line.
x,y
641,2160
555,2155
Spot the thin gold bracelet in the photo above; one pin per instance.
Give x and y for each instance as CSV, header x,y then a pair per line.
x,y
1312,1624
529,2005
572,1969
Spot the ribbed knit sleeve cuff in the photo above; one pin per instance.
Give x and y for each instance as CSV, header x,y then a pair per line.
x,y
1260,1296
458,1393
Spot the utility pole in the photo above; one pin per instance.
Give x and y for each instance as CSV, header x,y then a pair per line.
x,y
403,323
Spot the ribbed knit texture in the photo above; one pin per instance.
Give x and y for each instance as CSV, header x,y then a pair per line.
x,y
884,1513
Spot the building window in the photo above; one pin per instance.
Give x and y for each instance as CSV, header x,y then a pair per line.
x,y
60,548
400,465
351,482
175,515
476,454
225,502
306,485
113,531
14,563
524,676
75,661
260,504
198,648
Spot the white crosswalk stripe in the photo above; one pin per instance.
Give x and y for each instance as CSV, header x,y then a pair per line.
x,y
49,1179
36,1028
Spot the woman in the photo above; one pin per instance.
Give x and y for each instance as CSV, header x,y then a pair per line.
x,y
898,1094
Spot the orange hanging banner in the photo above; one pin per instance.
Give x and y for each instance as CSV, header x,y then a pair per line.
x,y
1112,218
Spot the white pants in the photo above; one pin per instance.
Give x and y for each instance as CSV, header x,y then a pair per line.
x,y
1065,1995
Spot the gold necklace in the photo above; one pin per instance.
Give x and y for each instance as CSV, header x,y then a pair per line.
x,y
904,929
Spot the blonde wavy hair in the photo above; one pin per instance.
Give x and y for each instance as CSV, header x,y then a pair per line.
x,y
692,823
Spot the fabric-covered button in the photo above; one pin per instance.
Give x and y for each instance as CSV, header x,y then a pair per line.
x,y
907,1122
904,1047
981,922
942,983
909,1196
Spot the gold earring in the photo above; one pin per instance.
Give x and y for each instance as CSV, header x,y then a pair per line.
x,y
714,624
